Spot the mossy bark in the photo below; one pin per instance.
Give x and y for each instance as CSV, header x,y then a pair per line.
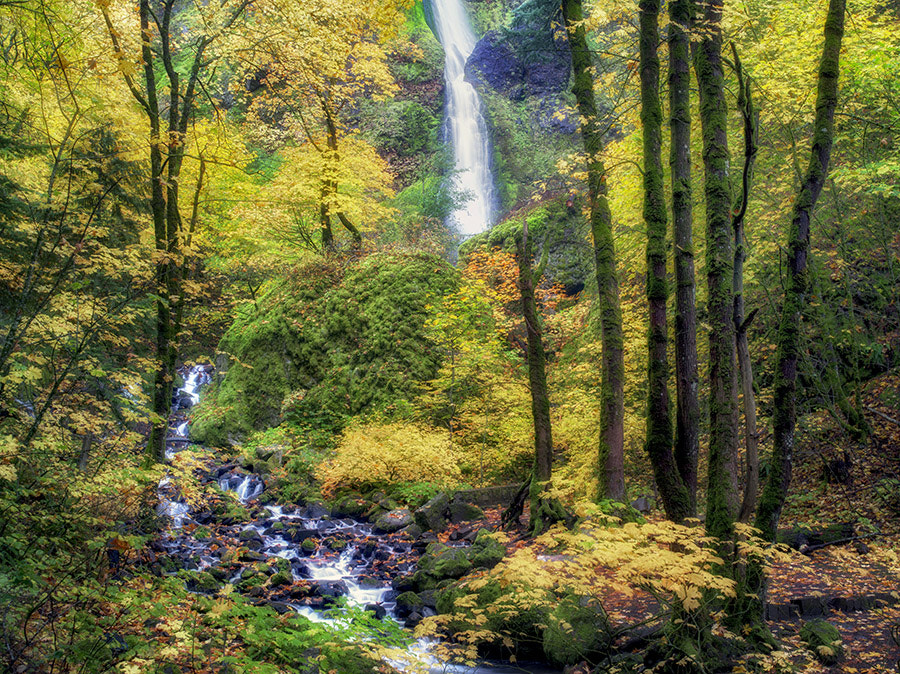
x,y
544,510
659,424
612,400
722,504
537,373
789,339
687,380
741,322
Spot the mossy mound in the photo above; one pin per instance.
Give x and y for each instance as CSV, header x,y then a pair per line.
x,y
327,343
823,640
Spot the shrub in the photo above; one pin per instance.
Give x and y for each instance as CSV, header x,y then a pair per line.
x,y
371,455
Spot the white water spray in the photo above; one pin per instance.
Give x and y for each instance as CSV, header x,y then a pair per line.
x,y
467,128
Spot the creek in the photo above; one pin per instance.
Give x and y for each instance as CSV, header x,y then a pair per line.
x,y
466,127
346,557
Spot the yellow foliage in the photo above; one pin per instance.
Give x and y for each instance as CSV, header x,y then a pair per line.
x,y
369,454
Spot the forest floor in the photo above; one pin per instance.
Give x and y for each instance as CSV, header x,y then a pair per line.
x,y
865,564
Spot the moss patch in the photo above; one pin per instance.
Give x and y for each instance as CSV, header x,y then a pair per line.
x,y
328,343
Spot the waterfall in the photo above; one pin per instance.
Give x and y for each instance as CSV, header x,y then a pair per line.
x,y
472,179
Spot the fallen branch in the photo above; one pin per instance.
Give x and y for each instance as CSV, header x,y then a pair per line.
x,y
882,415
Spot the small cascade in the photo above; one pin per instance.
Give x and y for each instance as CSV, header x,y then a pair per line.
x,y
466,125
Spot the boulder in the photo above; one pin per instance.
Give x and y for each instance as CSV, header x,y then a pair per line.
x,y
486,552
393,520
408,603
460,511
441,562
823,640
433,515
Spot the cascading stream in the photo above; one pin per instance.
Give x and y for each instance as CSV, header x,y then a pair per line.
x,y
467,129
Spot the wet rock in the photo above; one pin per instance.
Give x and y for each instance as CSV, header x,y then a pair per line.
x,y
433,514
461,511
428,598
377,609
298,535
414,619
393,520
309,546
329,588
408,603
413,531
824,641
203,582
316,511
280,607
404,583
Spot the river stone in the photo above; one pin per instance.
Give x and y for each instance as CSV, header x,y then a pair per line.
x,y
432,515
316,511
460,511
393,521
377,609
281,578
486,552
330,588
407,603
249,535
413,530
350,507
441,562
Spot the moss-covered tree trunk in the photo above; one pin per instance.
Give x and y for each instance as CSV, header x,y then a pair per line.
x,y
722,492
789,339
612,400
545,510
687,380
659,424
741,321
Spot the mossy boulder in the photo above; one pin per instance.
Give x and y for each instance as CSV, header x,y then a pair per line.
x,y
351,506
202,582
824,640
461,511
574,630
407,603
330,341
433,514
280,578
441,562
392,521
486,552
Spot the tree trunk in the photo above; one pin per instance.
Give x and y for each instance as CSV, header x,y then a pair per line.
x,y
659,423
162,396
788,340
543,510
722,503
612,400
742,347
687,381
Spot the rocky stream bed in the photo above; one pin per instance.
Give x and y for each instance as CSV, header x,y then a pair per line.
x,y
306,558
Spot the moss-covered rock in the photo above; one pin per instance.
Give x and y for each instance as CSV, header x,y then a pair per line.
x,y
823,640
574,630
433,514
441,562
280,578
202,582
328,342
461,511
486,552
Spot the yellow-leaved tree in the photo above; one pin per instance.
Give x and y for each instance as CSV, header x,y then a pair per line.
x,y
305,77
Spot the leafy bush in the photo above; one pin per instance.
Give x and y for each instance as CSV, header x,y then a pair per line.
x,y
372,455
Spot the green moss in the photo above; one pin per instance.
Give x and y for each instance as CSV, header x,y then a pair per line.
x,y
576,629
824,640
328,343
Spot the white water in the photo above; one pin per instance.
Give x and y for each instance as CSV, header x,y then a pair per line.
x,y
467,128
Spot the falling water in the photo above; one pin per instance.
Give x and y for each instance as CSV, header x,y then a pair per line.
x,y
467,128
